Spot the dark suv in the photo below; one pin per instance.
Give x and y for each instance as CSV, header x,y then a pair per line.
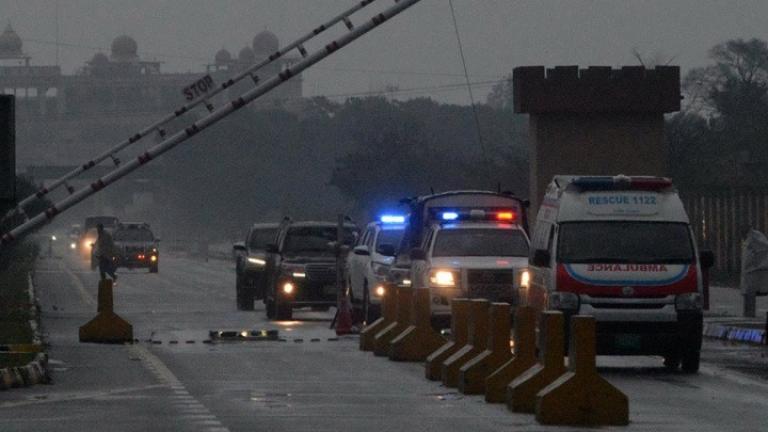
x,y
136,246
301,267
251,261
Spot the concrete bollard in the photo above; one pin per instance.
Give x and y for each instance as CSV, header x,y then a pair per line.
x,y
387,317
107,327
477,329
419,339
433,366
403,299
581,397
521,393
472,375
523,359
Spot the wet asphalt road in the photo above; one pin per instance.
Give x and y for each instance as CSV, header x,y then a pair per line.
x,y
171,380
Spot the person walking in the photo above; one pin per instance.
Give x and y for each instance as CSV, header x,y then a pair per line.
x,y
104,251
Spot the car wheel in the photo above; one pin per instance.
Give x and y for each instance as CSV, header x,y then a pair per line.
x,y
284,311
690,361
271,309
242,295
672,362
153,269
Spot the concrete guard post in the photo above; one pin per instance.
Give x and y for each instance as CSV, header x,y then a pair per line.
x,y
521,393
433,366
107,327
419,339
477,330
403,299
387,317
581,397
524,358
473,374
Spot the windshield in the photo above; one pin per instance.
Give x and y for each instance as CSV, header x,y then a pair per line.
x,y
480,242
624,242
137,234
390,237
314,240
261,237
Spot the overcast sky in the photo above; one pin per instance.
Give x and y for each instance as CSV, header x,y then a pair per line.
x,y
418,50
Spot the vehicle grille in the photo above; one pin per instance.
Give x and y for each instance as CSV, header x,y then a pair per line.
x,y
484,277
498,286
322,273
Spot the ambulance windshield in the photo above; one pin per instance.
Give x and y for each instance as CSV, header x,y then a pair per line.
x,y
625,242
480,242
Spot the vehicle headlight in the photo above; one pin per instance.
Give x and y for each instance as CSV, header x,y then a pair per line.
x,y
525,279
153,258
257,261
299,275
379,291
288,288
688,301
563,301
406,282
73,245
380,269
443,278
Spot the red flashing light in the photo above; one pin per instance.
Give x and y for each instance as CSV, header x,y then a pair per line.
x,y
505,216
650,183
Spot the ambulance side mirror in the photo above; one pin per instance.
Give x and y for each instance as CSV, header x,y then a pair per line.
x,y
540,258
706,259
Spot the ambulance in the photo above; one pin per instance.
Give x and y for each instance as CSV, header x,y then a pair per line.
x,y
621,249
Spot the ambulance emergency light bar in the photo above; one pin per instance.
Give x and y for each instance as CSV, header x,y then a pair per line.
x,y
453,214
621,182
392,219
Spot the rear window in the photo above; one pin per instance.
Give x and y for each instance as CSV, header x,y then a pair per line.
x,y
480,242
260,238
624,242
133,234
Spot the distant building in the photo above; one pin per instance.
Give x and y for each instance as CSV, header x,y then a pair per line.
x,y
67,119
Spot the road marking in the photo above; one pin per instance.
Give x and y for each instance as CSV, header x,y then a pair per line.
x,y
87,298
53,398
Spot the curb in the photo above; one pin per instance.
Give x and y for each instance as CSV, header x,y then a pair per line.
x,y
36,371
735,333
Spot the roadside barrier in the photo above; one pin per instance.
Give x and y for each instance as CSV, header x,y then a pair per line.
x,y
524,357
521,393
419,339
368,334
581,397
403,299
433,366
473,374
477,329
107,327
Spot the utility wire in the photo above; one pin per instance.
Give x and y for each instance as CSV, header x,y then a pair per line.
x,y
469,87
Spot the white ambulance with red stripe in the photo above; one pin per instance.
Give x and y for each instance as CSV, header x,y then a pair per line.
x,y
621,249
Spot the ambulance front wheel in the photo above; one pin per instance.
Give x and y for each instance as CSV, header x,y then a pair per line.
x,y
690,360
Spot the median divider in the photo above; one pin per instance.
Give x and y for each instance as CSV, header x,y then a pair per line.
x,y
581,397
521,393
107,327
524,356
419,340
433,366
472,375
388,305
477,329
403,299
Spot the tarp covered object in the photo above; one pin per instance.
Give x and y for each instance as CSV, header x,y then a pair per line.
x,y
754,264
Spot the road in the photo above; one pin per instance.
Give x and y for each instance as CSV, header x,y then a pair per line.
x,y
171,380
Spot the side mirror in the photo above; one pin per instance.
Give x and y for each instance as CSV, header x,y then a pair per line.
x,y
706,259
541,258
386,249
418,254
272,248
361,250
239,247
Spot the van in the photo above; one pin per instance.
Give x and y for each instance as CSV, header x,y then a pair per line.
x,y
621,249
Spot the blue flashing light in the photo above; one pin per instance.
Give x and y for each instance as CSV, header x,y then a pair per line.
x,y
450,216
392,219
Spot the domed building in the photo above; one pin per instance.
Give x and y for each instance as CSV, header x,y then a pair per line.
x,y
223,57
246,56
124,49
10,44
265,43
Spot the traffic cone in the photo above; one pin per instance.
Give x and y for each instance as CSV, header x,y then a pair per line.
x,y
344,318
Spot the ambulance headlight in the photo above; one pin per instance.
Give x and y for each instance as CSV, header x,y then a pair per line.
x,y
688,301
563,301
443,278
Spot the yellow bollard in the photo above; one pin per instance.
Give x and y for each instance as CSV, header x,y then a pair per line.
x,y
419,339
368,334
581,397
477,330
524,358
403,299
521,393
473,373
459,315
107,327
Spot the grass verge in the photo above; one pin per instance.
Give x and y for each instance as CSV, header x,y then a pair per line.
x,y
14,302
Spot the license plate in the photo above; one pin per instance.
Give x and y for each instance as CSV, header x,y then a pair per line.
x,y
493,291
629,342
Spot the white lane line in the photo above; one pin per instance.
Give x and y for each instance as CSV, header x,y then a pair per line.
x,y
87,298
198,417
165,376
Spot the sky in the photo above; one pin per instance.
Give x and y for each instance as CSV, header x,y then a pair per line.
x,y
417,51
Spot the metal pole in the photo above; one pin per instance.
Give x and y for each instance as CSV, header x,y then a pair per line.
x,y
205,122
